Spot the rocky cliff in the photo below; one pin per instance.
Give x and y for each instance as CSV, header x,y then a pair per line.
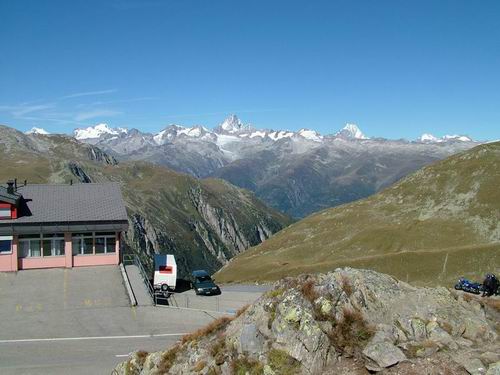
x,y
345,322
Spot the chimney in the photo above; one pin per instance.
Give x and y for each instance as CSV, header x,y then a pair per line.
x,y
15,184
10,187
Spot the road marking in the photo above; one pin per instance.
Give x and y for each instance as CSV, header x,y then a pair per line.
x,y
124,355
91,338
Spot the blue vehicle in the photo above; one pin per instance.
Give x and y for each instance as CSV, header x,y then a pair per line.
x,y
469,286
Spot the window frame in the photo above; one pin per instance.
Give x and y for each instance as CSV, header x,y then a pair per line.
x,y
6,217
94,235
41,239
7,238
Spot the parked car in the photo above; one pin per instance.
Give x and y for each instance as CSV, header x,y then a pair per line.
x,y
203,284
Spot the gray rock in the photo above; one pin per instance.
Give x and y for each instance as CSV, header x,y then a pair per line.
x,y
384,354
494,369
251,341
475,367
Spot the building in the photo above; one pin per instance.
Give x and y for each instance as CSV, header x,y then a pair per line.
x,y
46,226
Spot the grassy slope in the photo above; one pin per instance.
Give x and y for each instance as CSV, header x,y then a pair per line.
x,y
435,225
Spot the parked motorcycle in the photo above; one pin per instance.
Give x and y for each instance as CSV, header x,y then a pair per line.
x,y
469,286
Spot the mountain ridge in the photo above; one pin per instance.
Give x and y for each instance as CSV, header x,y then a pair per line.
x,y
432,227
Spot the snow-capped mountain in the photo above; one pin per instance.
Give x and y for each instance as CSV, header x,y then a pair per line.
x,y
429,138
232,125
35,130
98,131
351,131
297,172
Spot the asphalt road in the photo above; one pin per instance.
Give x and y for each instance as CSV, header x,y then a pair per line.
x,y
78,321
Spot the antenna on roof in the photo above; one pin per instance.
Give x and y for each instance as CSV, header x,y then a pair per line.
x,y
71,182
25,182
15,184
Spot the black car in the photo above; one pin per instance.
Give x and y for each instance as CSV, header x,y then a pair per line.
x,y
203,284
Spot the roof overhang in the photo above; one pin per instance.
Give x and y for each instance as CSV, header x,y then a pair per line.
x,y
31,228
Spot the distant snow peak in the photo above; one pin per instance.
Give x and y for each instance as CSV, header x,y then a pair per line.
x,y
310,135
429,138
173,131
97,131
232,125
35,130
460,138
351,131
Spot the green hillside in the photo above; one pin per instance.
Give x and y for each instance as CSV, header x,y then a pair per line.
x,y
434,226
202,222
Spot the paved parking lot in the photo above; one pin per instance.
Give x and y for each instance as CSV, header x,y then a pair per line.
x,y
63,321
79,321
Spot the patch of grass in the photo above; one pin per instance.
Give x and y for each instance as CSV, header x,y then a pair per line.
x,y
168,358
275,293
346,285
351,332
241,311
308,290
246,366
214,326
141,357
200,365
218,349
282,363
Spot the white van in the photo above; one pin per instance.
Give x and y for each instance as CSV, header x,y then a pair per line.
x,y
165,276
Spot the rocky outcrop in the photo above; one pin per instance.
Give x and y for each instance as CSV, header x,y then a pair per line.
x,y
96,154
345,322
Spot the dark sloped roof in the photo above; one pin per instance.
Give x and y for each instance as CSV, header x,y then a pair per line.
x,y
71,204
5,196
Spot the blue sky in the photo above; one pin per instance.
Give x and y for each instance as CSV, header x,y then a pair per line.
x,y
396,68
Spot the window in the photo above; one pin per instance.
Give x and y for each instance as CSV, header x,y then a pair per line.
x,y
94,243
5,213
53,244
83,243
37,245
105,243
5,244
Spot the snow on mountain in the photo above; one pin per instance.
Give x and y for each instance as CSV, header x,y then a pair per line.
x,y
310,135
97,131
277,135
35,130
351,131
429,138
173,131
232,125
461,138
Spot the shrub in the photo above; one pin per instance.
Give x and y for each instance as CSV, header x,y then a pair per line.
x,y
351,332
214,326
308,291
346,285
282,363
200,365
218,349
167,359
141,357
241,311
246,366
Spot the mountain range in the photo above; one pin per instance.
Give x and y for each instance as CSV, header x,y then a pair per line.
x,y
295,172
432,227
202,222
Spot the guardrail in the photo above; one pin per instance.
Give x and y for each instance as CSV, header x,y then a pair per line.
x,y
133,259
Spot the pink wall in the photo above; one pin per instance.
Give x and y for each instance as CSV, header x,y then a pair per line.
x,y
8,262
46,262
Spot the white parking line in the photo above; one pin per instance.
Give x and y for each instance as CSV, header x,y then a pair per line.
x,y
91,338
